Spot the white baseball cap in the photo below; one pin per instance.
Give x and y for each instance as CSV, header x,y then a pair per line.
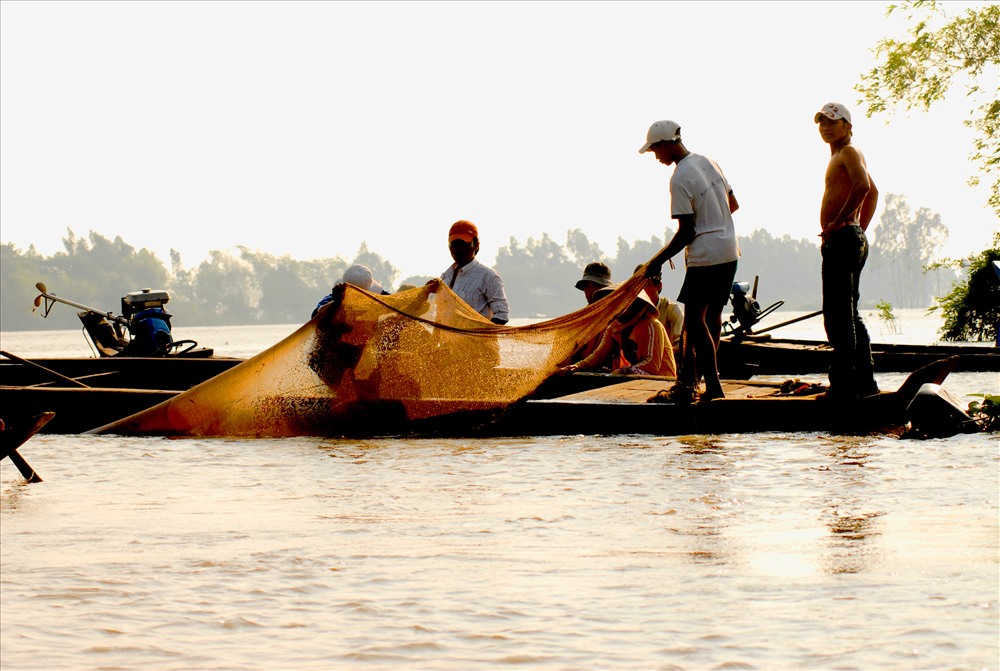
x,y
661,131
361,277
833,111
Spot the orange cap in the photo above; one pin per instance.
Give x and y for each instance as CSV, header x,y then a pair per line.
x,y
463,230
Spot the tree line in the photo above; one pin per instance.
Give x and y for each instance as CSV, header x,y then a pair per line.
x,y
259,288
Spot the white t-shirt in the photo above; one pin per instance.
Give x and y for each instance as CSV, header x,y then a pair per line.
x,y
698,187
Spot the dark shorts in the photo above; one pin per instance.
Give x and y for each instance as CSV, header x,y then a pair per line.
x,y
708,285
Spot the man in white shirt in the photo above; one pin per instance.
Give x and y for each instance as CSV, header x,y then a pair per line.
x,y
702,202
478,285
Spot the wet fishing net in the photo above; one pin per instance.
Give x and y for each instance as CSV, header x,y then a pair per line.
x,y
378,365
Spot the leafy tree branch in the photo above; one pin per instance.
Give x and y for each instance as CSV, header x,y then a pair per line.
x,y
918,72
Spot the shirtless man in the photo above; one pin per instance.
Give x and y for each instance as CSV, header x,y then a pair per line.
x,y
849,200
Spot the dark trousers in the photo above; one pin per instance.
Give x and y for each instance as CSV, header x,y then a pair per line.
x,y
852,371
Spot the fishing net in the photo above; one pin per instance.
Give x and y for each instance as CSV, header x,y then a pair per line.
x,y
418,360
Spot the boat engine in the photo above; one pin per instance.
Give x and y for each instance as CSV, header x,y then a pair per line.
x,y
143,317
148,323
934,413
746,310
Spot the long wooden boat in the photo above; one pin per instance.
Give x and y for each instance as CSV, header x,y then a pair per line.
x,y
85,393
742,358
594,404
605,404
79,409
112,372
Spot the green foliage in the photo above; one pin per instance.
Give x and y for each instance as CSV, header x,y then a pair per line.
x,y
254,287
886,316
18,274
920,71
539,277
987,413
93,271
972,308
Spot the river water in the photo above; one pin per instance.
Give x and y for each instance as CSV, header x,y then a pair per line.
x,y
738,551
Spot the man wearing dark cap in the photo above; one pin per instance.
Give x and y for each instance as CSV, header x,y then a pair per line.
x,y
595,276
849,200
478,285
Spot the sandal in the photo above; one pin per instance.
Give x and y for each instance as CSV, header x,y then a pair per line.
x,y
678,394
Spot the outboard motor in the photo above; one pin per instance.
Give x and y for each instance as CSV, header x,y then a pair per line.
x,y
746,310
934,413
149,323
143,317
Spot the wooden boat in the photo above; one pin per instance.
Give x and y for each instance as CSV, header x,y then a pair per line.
x,y
106,372
371,365
749,406
745,352
85,393
742,358
138,365
594,404
603,405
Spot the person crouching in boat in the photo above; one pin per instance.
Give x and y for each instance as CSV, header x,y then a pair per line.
x,y
595,284
640,337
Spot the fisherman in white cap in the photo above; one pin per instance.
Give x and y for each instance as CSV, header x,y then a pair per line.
x,y
849,200
703,203
359,276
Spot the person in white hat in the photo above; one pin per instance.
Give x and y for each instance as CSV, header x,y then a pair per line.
x,y
359,276
703,203
849,200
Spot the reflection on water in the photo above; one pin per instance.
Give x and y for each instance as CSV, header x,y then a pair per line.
x,y
764,551
854,527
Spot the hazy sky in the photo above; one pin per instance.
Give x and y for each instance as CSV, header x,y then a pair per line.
x,y
307,128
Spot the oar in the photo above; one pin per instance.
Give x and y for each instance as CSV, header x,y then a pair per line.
x,y
47,370
790,321
26,470
11,450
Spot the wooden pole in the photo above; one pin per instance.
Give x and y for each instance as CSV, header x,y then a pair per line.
x,y
790,321
47,370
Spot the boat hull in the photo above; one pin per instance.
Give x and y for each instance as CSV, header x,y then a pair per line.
x,y
115,372
740,360
88,392
78,409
